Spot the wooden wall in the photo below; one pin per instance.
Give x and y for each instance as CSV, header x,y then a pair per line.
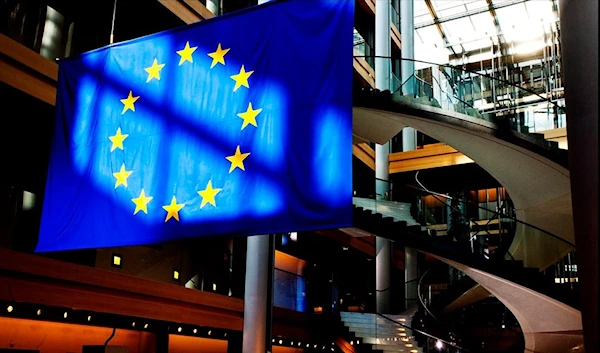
x,y
56,337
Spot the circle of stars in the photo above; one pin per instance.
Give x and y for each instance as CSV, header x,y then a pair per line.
x,y
237,159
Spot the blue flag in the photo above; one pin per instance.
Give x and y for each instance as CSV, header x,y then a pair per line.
x,y
238,125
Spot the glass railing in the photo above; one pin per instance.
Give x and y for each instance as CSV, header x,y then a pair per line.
x,y
289,291
395,83
362,49
480,96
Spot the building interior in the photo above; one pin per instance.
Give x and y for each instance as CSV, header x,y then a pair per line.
x,y
469,219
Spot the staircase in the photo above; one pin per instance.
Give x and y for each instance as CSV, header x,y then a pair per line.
x,y
392,220
398,211
382,335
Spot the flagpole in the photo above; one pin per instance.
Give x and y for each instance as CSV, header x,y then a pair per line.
x,y
112,27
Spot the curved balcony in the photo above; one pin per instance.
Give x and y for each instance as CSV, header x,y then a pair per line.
x,y
488,120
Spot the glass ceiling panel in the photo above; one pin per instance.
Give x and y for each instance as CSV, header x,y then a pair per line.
x,y
476,5
483,44
459,31
540,11
422,14
516,25
522,23
430,36
484,25
444,8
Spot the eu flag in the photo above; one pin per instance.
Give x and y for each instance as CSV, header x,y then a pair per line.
x,y
238,125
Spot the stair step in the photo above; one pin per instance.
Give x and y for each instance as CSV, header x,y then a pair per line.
x,y
400,349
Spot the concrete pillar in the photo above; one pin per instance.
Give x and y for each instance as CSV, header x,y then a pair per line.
x,y
579,49
383,71
407,30
411,277
213,6
382,176
407,67
383,44
383,263
256,322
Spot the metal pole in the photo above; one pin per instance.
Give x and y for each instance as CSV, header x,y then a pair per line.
x,y
112,27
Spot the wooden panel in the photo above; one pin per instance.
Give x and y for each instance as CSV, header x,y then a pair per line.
x,y
426,151
368,6
28,57
429,162
182,11
438,155
27,71
57,337
27,81
199,8
289,263
186,344
68,295
33,279
43,267
365,153
396,37
364,70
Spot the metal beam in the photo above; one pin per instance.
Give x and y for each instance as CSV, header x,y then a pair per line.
x,y
501,39
468,13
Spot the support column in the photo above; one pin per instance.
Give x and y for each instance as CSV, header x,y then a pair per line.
x,y
409,135
579,49
411,278
213,6
407,67
383,263
257,304
383,70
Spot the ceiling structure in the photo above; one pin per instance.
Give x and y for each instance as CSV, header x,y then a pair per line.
x,y
461,31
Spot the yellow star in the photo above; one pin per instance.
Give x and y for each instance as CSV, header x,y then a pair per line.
x,y
154,71
249,116
186,53
241,79
208,194
122,176
173,209
141,202
218,56
117,140
237,160
128,102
